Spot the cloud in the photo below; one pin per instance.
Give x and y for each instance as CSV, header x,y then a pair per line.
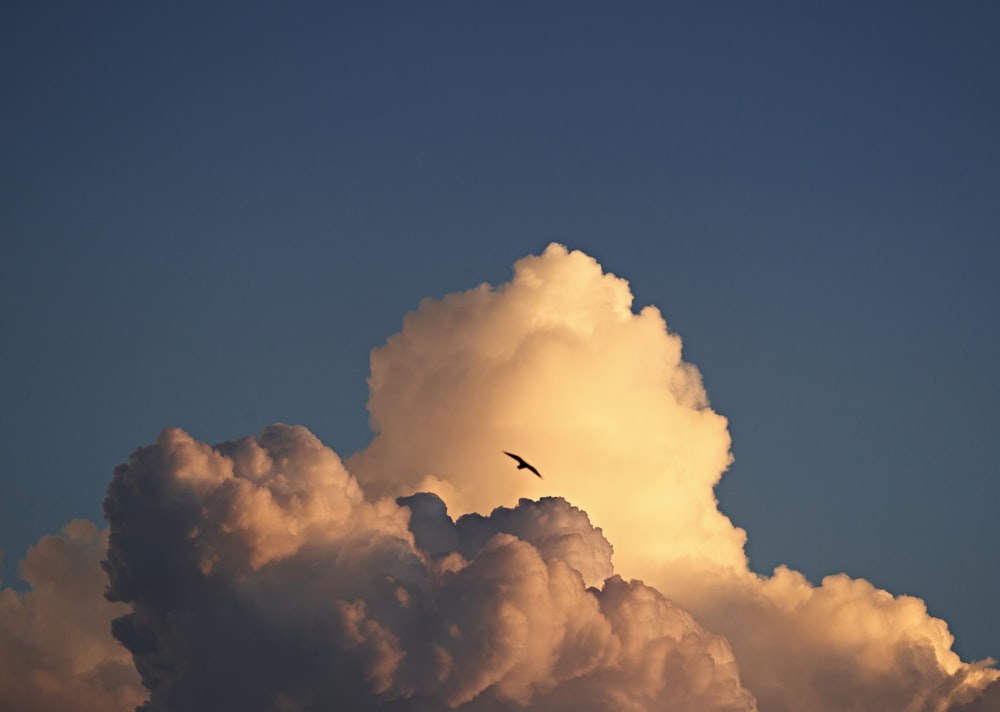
x,y
428,572
556,366
987,701
56,654
259,578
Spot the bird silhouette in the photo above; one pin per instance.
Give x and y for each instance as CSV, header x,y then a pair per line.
x,y
521,464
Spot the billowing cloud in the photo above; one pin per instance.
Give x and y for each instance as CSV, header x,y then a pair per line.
x,y
987,701
56,654
427,572
259,578
556,366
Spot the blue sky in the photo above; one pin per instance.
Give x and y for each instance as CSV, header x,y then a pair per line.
x,y
209,216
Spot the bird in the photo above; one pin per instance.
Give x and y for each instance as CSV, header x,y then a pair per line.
x,y
521,464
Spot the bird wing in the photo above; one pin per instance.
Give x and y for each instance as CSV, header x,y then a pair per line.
x,y
520,461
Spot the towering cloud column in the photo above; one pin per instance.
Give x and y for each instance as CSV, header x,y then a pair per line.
x,y
556,366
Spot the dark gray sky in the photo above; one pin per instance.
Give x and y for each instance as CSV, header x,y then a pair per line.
x,y
209,216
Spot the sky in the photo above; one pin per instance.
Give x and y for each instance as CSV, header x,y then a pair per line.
x,y
212,216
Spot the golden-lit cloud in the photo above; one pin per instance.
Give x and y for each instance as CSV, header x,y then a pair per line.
x,y
56,651
258,579
556,366
427,572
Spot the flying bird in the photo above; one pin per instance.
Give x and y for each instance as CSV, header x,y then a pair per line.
x,y
521,464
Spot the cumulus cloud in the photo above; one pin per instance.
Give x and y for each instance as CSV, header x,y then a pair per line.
x,y
56,654
427,572
259,578
556,366
987,701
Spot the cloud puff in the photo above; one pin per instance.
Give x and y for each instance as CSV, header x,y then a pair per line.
x,y
844,644
987,701
56,654
259,578
556,366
